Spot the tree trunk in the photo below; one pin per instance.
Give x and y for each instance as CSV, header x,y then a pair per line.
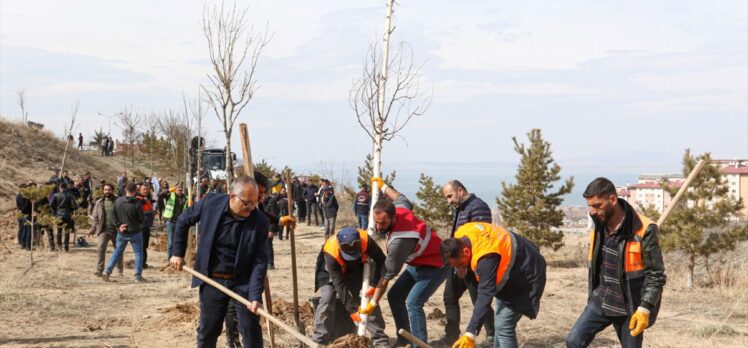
x,y
689,274
229,163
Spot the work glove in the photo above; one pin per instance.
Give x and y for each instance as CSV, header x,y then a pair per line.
x,y
356,318
639,321
467,340
287,221
368,309
370,293
378,181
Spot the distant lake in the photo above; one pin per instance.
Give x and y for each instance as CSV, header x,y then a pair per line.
x,y
483,179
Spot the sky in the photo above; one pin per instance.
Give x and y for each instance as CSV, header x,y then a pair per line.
x,y
617,87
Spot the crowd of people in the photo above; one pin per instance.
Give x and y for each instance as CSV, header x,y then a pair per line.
x,y
503,273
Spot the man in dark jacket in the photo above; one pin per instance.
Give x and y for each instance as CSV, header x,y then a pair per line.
x,y
626,274
232,250
23,206
361,204
466,207
346,254
128,219
298,198
508,267
330,209
103,228
63,204
310,197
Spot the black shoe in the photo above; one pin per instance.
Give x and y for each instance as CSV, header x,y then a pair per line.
x,y
145,266
97,273
140,280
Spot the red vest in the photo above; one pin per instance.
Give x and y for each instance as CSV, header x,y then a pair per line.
x,y
426,252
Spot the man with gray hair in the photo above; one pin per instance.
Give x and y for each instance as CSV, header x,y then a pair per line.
x,y
232,251
467,207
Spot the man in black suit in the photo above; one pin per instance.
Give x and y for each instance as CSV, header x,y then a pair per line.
x,y
232,251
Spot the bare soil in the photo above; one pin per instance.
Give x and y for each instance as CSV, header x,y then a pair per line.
x,y
60,303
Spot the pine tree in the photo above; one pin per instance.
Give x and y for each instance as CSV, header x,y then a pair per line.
x,y
529,206
699,225
365,173
433,207
266,169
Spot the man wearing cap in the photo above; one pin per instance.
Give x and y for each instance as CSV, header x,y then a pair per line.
x,y
507,267
345,255
411,242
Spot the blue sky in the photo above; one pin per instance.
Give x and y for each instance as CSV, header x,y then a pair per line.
x,y
611,83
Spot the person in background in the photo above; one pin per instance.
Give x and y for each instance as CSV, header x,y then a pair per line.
x,y
63,204
175,201
128,219
330,209
361,205
310,197
144,195
103,228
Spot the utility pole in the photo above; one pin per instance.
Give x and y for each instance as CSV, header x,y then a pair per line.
x,y
109,130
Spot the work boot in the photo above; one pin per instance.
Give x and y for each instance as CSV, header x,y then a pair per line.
x,y
105,277
140,280
98,273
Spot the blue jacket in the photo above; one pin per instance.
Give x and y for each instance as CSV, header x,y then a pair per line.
x,y
251,261
472,209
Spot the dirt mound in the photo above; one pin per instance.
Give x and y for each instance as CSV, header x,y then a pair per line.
x,y
283,310
351,341
436,314
186,312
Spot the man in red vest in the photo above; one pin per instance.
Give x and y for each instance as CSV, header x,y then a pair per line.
x,y
626,271
411,242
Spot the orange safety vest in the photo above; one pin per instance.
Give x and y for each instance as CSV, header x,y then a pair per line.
x,y
332,248
488,239
632,262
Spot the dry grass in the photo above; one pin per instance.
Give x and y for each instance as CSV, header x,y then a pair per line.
x,y
60,303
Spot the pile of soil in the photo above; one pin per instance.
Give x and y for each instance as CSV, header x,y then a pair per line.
x,y
436,314
283,310
186,312
351,341
104,324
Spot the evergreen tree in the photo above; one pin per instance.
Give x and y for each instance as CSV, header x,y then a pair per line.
x,y
266,169
699,225
433,207
531,206
365,173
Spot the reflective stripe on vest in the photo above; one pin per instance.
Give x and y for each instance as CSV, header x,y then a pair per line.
x,y
488,239
632,262
169,206
332,248
426,252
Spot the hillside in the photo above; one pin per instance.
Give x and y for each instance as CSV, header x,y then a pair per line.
x,y
27,153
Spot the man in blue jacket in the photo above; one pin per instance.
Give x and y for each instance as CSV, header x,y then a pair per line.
x,y
233,252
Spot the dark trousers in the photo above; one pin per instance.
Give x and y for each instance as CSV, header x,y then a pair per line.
x,y
593,320
146,240
26,237
21,224
213,305
312,209
65,228
271,253
453,290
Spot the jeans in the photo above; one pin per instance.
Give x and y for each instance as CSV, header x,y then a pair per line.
x,y
104,239
363,221
408,295
505,323
593,320
134,238
169,238
213,306
453,290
